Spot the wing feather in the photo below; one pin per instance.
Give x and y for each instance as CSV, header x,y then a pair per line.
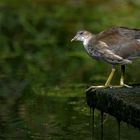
x,y
121,41
110,57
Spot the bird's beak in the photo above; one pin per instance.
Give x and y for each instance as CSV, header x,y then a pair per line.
x,y
74,38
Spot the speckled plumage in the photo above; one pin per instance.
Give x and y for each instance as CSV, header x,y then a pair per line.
x,y
116,45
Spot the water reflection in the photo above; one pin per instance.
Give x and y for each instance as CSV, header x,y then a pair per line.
x,y
102,120
111,128
118,129
57,115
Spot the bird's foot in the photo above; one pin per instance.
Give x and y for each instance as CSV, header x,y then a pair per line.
x,y
124,85
120,86
107,86
92,88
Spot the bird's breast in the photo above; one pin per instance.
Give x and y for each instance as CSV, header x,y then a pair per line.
x,y
93,52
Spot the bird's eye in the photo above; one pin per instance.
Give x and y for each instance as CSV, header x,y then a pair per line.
x,y
81,33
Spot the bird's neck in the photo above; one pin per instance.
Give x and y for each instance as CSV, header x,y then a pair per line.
x,y
87,40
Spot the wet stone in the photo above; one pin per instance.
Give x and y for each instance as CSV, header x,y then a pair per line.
x,y
122,103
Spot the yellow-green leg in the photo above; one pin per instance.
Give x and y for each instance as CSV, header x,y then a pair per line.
x,y
110,78
107,84
122,84
122,75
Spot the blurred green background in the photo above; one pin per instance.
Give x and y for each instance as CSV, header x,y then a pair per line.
x,y
43,75
35,47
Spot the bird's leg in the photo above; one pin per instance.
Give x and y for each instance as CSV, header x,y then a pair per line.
x,y
107,84
110,77
122,77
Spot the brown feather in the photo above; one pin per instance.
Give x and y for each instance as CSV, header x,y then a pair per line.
x,y
121,41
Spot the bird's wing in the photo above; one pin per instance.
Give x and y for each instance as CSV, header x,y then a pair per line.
x,y
121,41
105,54
120,32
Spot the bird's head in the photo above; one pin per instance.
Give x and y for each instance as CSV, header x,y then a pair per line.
x,y
82,36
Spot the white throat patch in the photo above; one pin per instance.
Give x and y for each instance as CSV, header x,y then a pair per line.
x,y
138,40
86,40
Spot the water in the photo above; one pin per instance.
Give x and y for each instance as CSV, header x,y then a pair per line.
x,y
59,114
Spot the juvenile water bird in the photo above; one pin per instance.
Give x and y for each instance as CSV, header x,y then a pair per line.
x,y
116,45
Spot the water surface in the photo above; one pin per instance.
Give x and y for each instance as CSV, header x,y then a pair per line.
x,y
58,114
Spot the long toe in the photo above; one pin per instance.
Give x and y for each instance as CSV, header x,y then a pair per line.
x,y
121,86
124,85
92,88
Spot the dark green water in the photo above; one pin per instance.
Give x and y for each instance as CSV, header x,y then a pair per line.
x,y
59,114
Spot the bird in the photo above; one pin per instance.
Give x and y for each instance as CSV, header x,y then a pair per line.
x,y
115,45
